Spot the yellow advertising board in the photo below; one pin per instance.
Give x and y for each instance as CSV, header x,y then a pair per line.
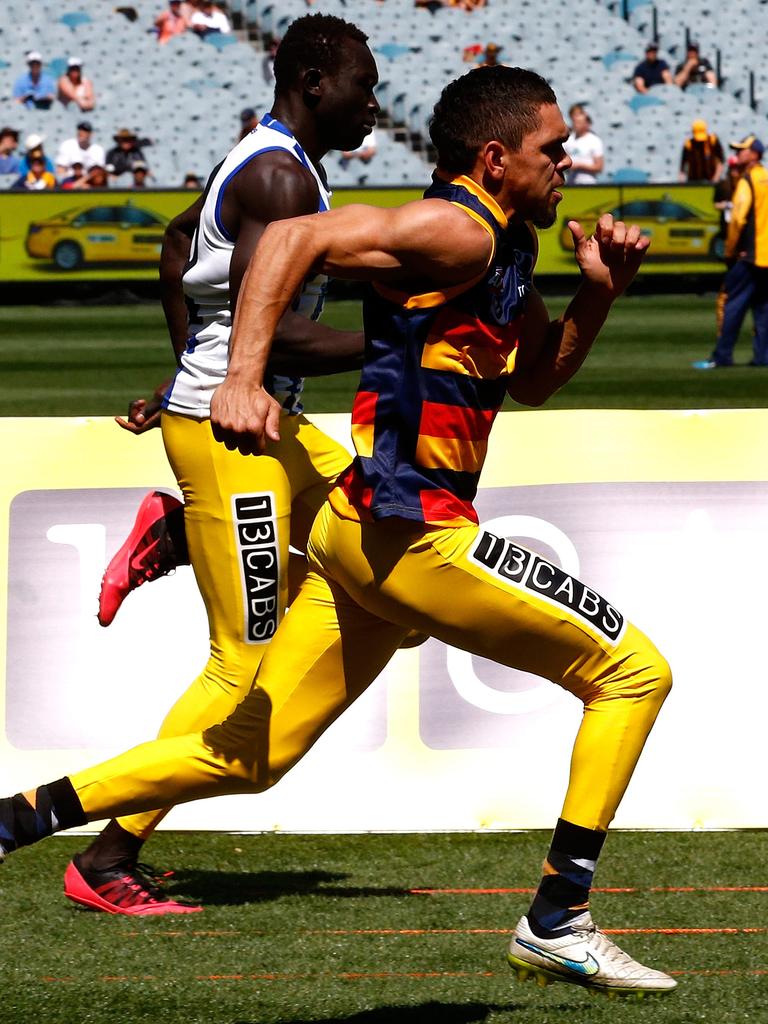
x,y
666,513
116,235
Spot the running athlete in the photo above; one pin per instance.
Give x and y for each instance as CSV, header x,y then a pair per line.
x,y
239,512
453,323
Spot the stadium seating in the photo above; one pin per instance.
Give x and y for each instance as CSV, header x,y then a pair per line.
x,y
186,96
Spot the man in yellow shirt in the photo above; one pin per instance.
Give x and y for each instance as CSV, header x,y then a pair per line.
x,y
746,254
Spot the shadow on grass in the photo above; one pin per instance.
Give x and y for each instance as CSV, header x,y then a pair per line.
x,y
230,888
427,1013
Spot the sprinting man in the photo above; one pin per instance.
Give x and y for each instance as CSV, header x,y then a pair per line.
x,y
453,323
239,513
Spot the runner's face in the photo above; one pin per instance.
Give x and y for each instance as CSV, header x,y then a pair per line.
x,y
348,107
537,170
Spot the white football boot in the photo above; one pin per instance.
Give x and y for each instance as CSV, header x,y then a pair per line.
x,y
585,956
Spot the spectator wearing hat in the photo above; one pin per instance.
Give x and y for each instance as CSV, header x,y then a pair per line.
x,y
491,56
208,19
584,148
75,178
651,71
695,69
192,181
125,153
746,255
9,143
36,178
34,89
80,149
170,22
248,121
33,146
702,157
140,172
73,87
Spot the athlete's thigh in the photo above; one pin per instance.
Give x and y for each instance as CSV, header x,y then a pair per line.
x,y
481,593
237,514
326,652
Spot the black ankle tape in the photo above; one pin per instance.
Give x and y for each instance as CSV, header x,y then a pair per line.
x,y
56,807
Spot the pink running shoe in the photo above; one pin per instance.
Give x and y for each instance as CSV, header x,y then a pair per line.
x,y
120,891
148,552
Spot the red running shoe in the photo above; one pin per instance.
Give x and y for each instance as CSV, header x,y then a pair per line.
x,y
148,553
119,891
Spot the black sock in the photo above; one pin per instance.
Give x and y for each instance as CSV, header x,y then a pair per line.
x,y
563,893
112,849
53,808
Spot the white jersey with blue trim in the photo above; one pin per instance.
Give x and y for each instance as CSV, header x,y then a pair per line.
x,y
203,365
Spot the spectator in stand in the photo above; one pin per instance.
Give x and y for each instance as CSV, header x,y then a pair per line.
x,y
491,56
584,148
34,89
171,22
140,173
365,152
695,69
209,18
33,144
467,5
126,153
9,143
75,176
192,181
37,178
97,177
74,88
79,149
651,71
702,157
248,121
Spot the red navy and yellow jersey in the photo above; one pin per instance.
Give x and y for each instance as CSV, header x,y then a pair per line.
x,y
435,375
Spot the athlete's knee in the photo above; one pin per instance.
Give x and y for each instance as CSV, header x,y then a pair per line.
x,y
240,744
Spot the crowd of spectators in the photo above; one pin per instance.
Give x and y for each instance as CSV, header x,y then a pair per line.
x,y
203,17
652,70
81,163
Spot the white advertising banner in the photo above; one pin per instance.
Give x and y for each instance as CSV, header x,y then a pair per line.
x,y
664,513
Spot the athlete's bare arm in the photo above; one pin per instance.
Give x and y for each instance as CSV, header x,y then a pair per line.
x,y
422,246
275,187
144,413
271,187
551,352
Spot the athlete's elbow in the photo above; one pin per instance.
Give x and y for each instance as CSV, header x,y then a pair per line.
x,y
532,394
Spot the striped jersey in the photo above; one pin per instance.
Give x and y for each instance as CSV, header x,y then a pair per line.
x,y
435,375
203,365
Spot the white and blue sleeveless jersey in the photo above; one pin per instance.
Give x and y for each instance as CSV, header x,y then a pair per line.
x,y
203,364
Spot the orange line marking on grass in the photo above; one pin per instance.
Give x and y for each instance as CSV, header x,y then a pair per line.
x,y
386,976
508,931
528,890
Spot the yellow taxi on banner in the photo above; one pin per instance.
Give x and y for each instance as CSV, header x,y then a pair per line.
x,y
104,233
677,230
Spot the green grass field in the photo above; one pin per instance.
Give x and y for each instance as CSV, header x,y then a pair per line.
x,y
304,930
67,361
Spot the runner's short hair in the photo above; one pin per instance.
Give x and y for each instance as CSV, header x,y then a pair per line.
x,y
314,41
487,103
